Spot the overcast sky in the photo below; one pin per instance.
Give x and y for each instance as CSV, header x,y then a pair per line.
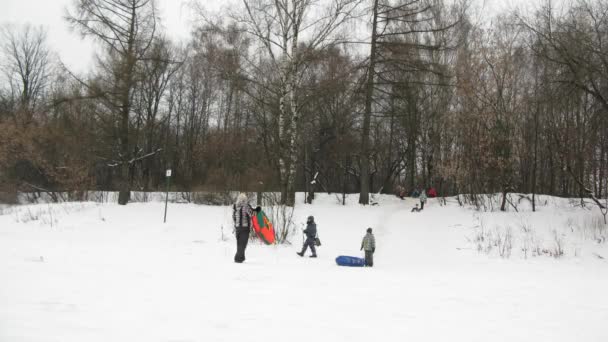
x,y
176,17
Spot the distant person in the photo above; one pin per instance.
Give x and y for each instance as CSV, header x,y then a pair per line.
x,y
400,192
415,193
415,209
369,245
311,234
242,213
432,192
422,199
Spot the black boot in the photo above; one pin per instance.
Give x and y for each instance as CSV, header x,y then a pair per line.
x,y
300,254
313,256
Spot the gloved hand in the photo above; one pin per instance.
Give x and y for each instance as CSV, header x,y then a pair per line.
x,y
258,209
374,250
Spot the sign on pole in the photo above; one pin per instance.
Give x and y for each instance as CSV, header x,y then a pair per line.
x,y
168,174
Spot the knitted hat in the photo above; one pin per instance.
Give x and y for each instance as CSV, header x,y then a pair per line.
x,y
242,198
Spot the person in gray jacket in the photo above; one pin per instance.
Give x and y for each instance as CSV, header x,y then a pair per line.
x,y
369,245
311,233
422,199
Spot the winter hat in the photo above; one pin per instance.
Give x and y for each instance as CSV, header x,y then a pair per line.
x,y
369,230
242,198
310,219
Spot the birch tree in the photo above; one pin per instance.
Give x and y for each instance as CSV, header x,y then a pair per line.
x,y
285,30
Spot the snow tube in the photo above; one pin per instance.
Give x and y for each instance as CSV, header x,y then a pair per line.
x,y
263,228
344,260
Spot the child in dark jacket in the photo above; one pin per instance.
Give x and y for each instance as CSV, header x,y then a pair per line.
x,y
369,245
311,233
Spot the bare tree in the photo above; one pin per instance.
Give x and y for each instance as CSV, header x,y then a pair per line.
x,y
156,71
286,29
571,44
26,65
126,29
401,31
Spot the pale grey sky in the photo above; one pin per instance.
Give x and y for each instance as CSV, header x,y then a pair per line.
x,y
176,17
75,52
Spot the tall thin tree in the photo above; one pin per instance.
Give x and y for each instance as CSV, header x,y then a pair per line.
x,y
126,29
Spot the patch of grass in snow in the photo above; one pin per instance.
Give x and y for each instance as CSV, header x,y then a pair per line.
x,y
516,202
594,228
542,239
590,228
498,240
47,214
5,209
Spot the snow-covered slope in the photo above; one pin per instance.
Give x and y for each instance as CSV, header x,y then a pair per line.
x,y
101,272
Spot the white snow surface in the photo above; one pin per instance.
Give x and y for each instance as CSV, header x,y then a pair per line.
x,y
103,272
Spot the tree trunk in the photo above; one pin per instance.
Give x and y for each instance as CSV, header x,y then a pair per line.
x,y
125,181
344,177
127,84
369,92
535,164
503,205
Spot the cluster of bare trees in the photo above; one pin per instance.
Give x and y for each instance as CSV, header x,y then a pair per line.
x,y
285,95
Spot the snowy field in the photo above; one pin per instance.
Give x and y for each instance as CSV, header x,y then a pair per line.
x,y
101,272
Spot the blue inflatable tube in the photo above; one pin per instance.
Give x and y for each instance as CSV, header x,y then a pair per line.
x,y
344,260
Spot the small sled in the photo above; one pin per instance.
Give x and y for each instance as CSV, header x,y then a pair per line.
x,y
351,261
263,228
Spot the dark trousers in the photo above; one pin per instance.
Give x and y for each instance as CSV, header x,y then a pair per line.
x,y
421,205
369,258
242,238
310,242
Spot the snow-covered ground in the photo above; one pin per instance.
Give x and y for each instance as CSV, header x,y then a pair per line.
x,y
102,272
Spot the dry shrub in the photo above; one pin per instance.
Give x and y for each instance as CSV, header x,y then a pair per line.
x,y
8,197
38,158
